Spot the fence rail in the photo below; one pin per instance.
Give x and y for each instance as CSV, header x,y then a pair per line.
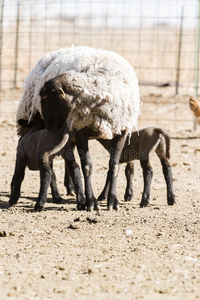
x,y
159,38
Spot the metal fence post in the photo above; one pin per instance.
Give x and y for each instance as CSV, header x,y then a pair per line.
x,y
179,51
196,76
17,43
1,37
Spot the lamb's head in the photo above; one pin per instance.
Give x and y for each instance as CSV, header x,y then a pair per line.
x,y
36,124
55,102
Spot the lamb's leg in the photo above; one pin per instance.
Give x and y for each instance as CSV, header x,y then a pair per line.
x,y
86,164
147,176
74,172
104,193
45,179
117,145
167,171
129,172
68,182
54,189
17,180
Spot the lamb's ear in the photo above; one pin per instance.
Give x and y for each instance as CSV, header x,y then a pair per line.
x,y
24,123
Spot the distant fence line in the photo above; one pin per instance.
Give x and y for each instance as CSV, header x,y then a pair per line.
x,y
159,38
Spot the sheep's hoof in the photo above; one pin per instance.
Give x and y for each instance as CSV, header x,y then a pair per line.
x,y
38,207
171,200
113,203
92,204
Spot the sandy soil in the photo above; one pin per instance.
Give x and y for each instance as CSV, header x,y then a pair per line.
x,y
62,253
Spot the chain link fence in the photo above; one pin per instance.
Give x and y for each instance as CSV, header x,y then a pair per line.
x,y
159,38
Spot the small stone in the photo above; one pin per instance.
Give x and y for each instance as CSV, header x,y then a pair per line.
x,y
3,234
129,232
75,226
92,220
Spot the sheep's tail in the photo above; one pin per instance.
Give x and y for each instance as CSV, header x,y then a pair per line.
x,y
167,140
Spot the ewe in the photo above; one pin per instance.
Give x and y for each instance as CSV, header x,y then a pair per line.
x,y
95,93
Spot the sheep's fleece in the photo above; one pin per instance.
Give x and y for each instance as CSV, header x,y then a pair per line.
x,y
106,83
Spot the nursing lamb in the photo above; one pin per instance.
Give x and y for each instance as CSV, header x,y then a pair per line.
x,y
140,146
36,149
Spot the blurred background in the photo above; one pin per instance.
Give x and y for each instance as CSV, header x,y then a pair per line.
x,y
160,39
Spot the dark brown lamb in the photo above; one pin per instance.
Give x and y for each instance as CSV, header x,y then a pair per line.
x,y
141,144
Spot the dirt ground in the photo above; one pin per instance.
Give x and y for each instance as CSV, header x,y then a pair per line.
x,y
133,253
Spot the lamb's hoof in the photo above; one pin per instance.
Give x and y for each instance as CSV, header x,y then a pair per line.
x,y
12,202
117,207
128,198
101,197
71,193
38,207
144,203
171,200
58,200
90,208
97,207
110,208
112,203
80,206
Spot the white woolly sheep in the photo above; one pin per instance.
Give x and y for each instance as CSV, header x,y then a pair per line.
x,y
141,145
97,95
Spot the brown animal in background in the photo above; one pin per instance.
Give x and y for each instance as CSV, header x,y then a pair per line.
x,y
195,107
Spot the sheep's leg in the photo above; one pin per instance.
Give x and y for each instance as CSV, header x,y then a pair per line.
x,y
45,179
104,193
54,189
147,176
117,145
68,182
86,164
167,171
129,172
17,180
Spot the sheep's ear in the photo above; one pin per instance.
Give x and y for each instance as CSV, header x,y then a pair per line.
x,y
24,123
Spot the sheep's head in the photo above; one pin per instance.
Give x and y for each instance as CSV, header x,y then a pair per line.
x,y
55,103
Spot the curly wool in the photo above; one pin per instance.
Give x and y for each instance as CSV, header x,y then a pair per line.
x,y
106,85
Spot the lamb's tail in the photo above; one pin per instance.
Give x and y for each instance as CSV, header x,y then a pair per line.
x,y
167,140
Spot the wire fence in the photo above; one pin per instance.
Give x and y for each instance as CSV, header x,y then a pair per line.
x,y
159,38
